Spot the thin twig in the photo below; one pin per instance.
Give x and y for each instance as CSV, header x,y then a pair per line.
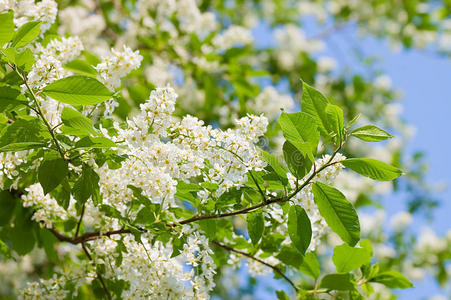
x,y
99,276
276,269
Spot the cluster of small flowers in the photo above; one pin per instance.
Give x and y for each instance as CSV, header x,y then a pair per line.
x,y
52,288
151,13
47,209
25,11
115,66
80,21
291,41
152,271
270,102
9,163
50,60
257,268
232,36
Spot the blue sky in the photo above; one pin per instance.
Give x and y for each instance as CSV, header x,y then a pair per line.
x,y
425,81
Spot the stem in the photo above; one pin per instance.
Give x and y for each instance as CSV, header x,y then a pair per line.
x,y
40,113
79,221
99,276
276,269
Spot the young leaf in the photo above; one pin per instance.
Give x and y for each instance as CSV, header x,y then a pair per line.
x,y
25,60
290,256
78,90
372,168
340,282
7,27
78,121
25,34
393,280
95,142
348,258
371,133
300,129
299,228
338,212
255,226
314,104
335,120
23,135
281,295
81,67
51,172
298,164
280,170
310,265
87,186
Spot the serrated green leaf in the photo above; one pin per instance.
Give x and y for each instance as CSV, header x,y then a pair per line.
x,y
78,90
338,212
23,135
255,225
25,60
25,34
340,282
95,142
335,120
300,129
290,256
310,265
78,121
393,280
371,133
87,186
81,67
52,170
297,162
299,228
348,258
277,166
314,104
372,168
7,27
11,99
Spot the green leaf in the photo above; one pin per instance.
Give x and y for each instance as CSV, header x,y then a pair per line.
x,y
340,282
23,135
300,129
255,225
95,142
10,99
299,228
25,34
22,236
372,168
310,265
338,212
7,204
76,120
348,258
78,90
393,280
25,60
314,104
335,120
290,256
4,250
371,133
81,67
51,172
281,295
280,170
87,186
297,162
7,28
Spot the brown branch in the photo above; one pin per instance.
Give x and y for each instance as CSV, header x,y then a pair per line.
x,y
276,269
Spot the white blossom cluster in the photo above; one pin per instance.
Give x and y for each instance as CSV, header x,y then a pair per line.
x,y
51,59
233,36
270,102
25,11
9,166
